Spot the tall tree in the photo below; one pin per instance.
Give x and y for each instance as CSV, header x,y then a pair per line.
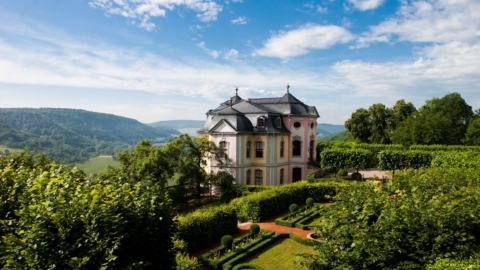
x,y
359,125
440,121
399,112
379,116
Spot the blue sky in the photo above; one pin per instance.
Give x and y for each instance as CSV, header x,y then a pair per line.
x,y
157,60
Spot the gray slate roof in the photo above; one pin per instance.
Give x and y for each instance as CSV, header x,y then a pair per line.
x,y
239,113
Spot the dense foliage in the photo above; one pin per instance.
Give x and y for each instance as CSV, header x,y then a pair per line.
x,y
423,216
346,158
204,227
440,121
55,217
71,136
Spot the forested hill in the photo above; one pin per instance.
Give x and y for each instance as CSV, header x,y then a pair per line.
x,y
179,124
70,135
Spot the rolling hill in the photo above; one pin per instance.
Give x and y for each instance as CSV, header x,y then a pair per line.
x,y
72,136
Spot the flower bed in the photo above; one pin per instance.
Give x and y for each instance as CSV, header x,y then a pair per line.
x,y
305,223
217,257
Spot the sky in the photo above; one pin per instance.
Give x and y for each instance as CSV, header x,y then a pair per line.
x,y
155,60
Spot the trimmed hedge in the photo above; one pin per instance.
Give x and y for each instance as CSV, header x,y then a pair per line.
x,y
263,205
265,244
439,147
456,160
399,160
217,263
284,221
205,226
377,148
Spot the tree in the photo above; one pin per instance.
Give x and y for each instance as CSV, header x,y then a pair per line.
x,y
456,110
359,125
398,113
189,157
472,136
379,116
439,121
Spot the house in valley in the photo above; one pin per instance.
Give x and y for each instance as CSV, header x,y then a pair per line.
x,y
269,141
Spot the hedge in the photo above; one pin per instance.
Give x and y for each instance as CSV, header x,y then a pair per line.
x,y
456,160
440,147
296,217
399,160
247,266
204,227
217,263
265,244
263,205
346,158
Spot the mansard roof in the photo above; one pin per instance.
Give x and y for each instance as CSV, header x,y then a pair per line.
x,y
239,113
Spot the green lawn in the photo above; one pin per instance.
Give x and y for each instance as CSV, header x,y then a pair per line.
x,y
281,255
3,147
98,164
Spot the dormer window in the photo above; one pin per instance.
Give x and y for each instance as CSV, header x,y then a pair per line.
x,y
261,122
279,122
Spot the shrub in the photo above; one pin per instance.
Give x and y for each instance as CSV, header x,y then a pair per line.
x,y
226,196
227,241
263,205
246,193
342,172
309,202
254,229
203,227
293,208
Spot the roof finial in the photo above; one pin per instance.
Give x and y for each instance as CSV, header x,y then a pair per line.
x,y
288,88
236,91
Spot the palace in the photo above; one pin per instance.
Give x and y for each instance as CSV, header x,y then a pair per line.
x,y
269,141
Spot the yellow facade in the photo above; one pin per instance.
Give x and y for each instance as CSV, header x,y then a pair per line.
x,y
285,148
252,174
253,139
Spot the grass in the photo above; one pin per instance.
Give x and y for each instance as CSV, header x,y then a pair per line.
x,y
3,148
281,255
98,164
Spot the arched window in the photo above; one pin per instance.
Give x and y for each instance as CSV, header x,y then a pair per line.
x,y
282,148
297,148
281,177
259,149
223,149
258,177
249,145
249,177
312,143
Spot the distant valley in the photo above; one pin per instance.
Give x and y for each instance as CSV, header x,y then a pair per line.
x,y
72,136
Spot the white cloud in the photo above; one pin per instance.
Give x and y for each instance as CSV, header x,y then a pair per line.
x,y
232,54
239,20
443,68
364,5
429,21
143,10
212,53
300,41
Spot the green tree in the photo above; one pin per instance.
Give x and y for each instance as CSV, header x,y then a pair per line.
x,y
399,112
379,116
472,136
359,125
189,157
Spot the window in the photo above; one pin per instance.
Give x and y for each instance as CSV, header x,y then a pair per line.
x,y
297,124
297,174
297,148
259,149
281,176
311,149
223,149
258,177
282,147
279,122
312,125
249,176
248,148
260,122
